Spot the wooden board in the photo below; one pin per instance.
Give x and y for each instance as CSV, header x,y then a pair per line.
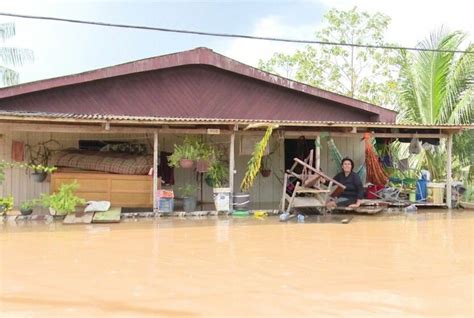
x,y
110,216
72,219
120,190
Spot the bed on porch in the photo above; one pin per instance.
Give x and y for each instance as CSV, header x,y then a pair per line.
x,y
121,178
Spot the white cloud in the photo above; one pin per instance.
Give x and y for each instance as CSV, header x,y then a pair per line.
x,y
250,51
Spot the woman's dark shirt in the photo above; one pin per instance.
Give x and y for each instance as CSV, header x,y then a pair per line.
x,y
354,189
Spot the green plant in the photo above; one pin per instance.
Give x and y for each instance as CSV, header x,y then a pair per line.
x,y
28,205
5,164
469,193
64,201
253,165
188,150
7,202
217,174
188,190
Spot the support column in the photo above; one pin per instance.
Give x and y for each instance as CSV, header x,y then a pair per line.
x,y
318,153
155,169
449,171
231,162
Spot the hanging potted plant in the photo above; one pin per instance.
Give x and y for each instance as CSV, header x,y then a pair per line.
x,y
265,168
64,201
38,159
205,154
184,155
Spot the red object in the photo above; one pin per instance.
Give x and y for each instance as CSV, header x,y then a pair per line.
x,y
18,151
372,190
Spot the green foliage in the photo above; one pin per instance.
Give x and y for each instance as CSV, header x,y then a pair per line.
x,y
253,165
7,202
438,88
38,168
218,174
188,190
364,73
64,201
469,194
29,204
190,149
10,56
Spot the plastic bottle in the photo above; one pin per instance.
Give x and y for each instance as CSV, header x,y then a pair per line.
x,y
300,218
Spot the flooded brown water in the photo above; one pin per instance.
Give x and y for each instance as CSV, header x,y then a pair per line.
x,y
405,265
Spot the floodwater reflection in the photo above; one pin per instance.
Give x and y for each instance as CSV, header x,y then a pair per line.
x,y
392,265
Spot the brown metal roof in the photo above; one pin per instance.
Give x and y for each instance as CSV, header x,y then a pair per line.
x,y
147,120
193,84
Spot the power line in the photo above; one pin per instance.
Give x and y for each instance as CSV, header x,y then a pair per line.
x,y
230,35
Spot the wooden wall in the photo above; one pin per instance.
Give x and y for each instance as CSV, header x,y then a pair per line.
x,y
19,183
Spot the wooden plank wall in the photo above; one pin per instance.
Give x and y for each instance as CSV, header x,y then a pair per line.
x,y
19,183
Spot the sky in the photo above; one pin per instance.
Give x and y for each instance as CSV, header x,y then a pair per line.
x,y
62,48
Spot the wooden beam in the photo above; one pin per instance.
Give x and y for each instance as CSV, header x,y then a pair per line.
x,y
155,171
73,128
315,134
449,146
231,162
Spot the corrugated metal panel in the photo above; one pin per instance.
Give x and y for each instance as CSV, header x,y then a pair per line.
x,y
186,92
7,115
203,57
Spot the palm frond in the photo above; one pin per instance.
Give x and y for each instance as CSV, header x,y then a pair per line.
x,y
7,30
15,56
9,77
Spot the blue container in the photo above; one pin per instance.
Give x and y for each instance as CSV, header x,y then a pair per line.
x,y
165,205
421,190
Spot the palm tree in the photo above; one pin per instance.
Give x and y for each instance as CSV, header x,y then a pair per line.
x,y
10,56
437,88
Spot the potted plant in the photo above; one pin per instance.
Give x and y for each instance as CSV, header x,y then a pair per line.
x,y
265,168
188,192
64,201
205,154
6,204
26,208
38,159
217,177
184,155
467,201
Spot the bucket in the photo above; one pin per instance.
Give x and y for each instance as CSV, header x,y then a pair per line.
x,y
436,192
222,199
241,201
421,190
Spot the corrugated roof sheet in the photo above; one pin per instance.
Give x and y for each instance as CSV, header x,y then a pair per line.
x,y
180,88
7,115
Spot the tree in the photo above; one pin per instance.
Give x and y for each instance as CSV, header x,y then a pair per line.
x,y
365,73
10,56
438,88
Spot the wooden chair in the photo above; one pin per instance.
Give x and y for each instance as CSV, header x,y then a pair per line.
x,y
310,189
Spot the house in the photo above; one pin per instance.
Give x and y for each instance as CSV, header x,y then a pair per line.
x,y
158,100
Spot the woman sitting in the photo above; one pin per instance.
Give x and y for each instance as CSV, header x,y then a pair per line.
x,y
354,192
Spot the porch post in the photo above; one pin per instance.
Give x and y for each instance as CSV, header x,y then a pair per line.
x,y
231,162
318,153
449,172
155,169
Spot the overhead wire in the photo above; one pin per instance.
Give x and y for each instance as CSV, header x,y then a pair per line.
x,y
231,35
